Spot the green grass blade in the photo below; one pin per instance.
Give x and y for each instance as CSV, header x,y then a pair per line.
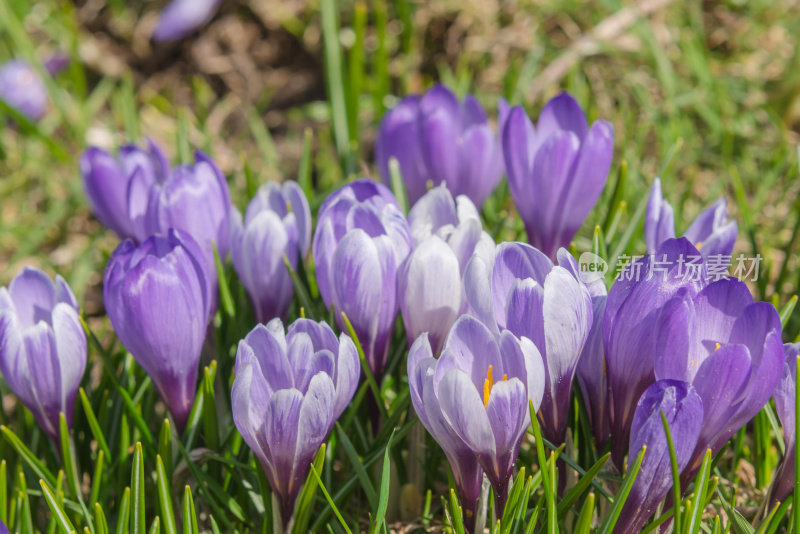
x,y
224,290
581,486
622,495
676,475
155,527
334,77
100,519
210,425
358,467
165,446
71,469
165,498
137,490
584,523
398,187
700,485
307,495
383,497
189,515
3,493
373,385
27,456
455,513
58,512
124,512
97,477
549,491
94,426
304,168
330,501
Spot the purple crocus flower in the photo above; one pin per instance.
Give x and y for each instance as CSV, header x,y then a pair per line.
x,y
591,369
22,89
632,309
182,17
436,139
277,223
474,402
547,304
191,198
42,346
106,180
712,233
784,396
681,405
158,297
3,528
729,348
361,240
446,233
556,170
288,392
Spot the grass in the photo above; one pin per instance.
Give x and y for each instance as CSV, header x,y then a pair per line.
x,y
702,94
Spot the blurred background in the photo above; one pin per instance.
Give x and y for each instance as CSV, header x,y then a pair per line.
x,y
705,94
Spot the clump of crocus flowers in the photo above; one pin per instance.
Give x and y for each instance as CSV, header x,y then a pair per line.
x,y
491,328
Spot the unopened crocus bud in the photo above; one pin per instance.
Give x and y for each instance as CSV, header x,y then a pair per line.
x,y
712,232
438,139
446,233
106,180
182,17
288,392
42,346
683,409
474,402
556,170
22,89
361,240
277,223
158,297
193,198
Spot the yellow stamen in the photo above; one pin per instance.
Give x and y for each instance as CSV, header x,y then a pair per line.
x,y
717,347
699,245
487,386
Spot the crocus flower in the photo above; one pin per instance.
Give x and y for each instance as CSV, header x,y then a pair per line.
x,y
446,233
591,369
106,180
3,528
158,297
712,233
683,409
192,198
556,170
22,89
474,402
42,346
784,396
728,347
547,304
277,223
361,240
288,392
632,309
182,17
436,139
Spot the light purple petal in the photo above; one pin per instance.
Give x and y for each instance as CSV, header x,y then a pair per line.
x,y
182,17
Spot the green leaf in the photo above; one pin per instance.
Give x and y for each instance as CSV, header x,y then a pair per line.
x,y
70,468
100,519
549,490
27,456
224,290
155,527
676,475
137,489
622,495
124,512
210,425
300,290
336,512
304,168
398,187
584,523
189,514
97,477
777,517
3,493
787,310
97,432
334,77
358,467
373,385
165,446
306,501
164,498
582,485
455,513
700,485
58,512
383,497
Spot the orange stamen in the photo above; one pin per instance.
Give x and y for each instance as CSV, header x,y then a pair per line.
x,y
717,347
487,386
